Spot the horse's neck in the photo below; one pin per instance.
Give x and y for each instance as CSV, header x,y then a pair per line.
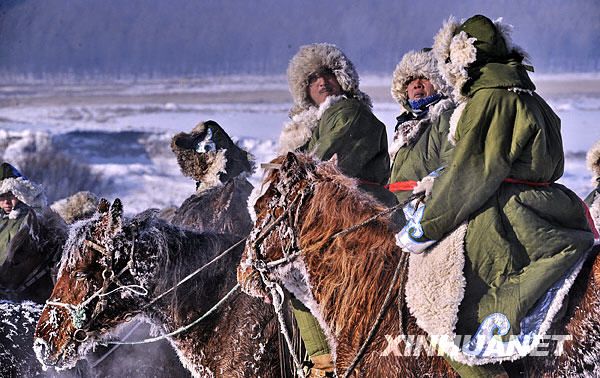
x,y
349,280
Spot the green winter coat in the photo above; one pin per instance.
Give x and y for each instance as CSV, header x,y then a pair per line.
x,y
430,151
8,230
349,129
520,238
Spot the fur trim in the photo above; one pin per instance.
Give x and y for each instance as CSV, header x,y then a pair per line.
x,y
435,286
593,161
16,213
506,31
297,132
454,122
416,64
26,191
595,213
408,132
79,206
456,51
211,177
434,298
521,90
318,55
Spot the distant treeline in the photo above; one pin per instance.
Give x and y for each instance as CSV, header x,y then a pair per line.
x,y
193,37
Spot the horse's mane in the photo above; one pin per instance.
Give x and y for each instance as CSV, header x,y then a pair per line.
x,y
345,278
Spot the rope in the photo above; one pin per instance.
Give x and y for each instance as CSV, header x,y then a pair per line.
x,y
401,263
189,276
181,329
115,347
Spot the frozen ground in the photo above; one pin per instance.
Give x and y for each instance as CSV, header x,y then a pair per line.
x,y
124,128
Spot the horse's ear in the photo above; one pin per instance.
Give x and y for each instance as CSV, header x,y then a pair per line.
x,y
103,206
334,160
291,162
116,217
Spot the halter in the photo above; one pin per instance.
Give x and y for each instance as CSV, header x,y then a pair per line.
x,y
78,312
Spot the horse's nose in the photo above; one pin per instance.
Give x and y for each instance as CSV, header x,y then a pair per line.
x,y
42,352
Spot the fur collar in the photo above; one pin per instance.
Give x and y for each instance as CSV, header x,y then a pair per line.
x,y
15,213
297,132
454,122
212,178
408,132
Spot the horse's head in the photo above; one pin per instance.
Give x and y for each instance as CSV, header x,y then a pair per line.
x,y
209,156
98,287
288,185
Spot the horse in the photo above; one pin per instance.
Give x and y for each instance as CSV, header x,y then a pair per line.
x,y
220,167
328,244
114,269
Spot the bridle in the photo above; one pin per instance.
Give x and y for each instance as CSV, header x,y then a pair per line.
x,y
78,313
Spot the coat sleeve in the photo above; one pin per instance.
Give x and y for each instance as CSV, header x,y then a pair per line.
x,y
491,137
359,140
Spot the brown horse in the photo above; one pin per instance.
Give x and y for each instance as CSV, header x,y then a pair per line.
x,y
343,278
109,265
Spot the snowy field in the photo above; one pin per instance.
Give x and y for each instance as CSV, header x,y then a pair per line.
x,y
123,128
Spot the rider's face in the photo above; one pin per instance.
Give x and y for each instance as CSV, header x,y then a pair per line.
x,y
8,202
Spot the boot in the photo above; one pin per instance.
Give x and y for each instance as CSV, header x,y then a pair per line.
x,y
322,366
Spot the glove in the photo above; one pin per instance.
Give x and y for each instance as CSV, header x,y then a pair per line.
x,y
425,185
411,238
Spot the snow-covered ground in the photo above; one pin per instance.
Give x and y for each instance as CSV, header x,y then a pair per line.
x,y
123,129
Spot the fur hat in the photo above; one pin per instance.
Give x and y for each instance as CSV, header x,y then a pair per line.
x,y
29,193
209,156
417,64
476,41
80,205
311,58
593,160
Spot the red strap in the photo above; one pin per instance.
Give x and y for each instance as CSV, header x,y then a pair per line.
x,y
401,186
530,183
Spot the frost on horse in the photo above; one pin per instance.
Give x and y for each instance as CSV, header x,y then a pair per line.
x,y
343,278
112,269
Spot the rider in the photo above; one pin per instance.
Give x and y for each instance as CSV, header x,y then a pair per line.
x,y
19,200
524,230
332,116
420,144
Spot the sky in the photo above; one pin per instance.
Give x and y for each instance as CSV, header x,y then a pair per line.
x,y
149,38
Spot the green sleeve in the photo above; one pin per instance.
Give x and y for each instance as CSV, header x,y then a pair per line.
x,y
489,139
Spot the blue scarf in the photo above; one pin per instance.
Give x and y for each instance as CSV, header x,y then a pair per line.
x,y
418,105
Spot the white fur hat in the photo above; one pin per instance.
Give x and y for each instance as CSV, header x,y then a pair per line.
x,y
593,159
11,180
311,58
416,64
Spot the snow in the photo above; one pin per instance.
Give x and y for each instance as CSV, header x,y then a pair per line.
x,y
123,129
